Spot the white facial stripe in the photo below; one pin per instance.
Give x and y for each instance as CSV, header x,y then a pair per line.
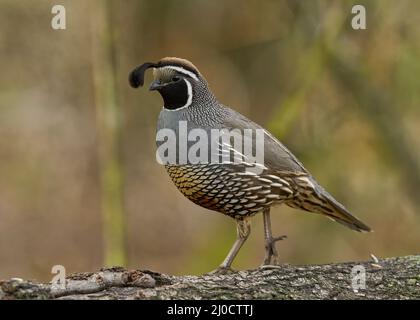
x,y
190,94
189,100
182,70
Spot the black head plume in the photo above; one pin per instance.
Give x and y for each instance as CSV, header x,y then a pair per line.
x,y
136,76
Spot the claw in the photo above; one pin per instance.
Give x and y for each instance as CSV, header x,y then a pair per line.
x,y
283,237
220,270
271,255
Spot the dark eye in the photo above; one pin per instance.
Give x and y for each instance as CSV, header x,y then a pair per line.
x,y
176,78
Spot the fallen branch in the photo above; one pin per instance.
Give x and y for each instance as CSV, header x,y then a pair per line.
x,y
392,278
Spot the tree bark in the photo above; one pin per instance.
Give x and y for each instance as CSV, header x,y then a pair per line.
x,y
392,278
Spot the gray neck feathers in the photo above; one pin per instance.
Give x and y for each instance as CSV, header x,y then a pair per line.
x,y
204,111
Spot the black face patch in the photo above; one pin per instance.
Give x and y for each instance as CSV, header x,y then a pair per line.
x,y
174,94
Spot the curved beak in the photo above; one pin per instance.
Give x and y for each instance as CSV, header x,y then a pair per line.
x,y
156,85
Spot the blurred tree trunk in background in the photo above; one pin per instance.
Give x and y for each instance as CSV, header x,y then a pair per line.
x,y
108,134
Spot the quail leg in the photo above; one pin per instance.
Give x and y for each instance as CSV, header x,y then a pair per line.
x,y
271,255
243,229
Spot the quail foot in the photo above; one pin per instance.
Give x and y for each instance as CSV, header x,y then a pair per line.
x,y
227,179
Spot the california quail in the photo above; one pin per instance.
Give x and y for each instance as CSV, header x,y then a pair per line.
x,y
230,187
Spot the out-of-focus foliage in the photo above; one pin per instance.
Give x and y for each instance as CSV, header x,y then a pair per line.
x,y
345,102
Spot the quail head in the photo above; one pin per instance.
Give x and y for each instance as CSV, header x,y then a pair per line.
x,y
223,174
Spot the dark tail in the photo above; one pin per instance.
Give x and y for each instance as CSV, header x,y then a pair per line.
x,y
313,198
343,216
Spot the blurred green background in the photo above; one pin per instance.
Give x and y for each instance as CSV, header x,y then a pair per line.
x,y
79,184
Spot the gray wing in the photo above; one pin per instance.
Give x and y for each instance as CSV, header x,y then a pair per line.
x,y
276,156
308,194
